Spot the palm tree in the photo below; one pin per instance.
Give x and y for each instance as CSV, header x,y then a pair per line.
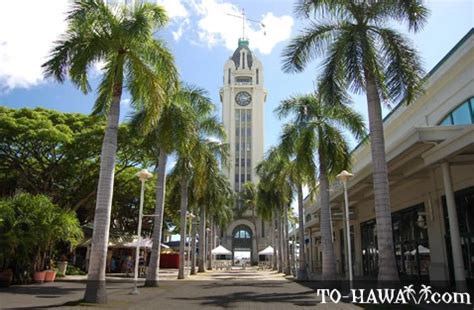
x,y
122,37
297,165
267,199
276,186
362,53
170,134
320,125
196,159
249,200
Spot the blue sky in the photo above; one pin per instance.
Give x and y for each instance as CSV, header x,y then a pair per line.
x,y
202,37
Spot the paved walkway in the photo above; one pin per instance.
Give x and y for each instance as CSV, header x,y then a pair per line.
x,y
237,289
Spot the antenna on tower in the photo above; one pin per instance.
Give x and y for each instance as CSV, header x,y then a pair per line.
x,y
244,18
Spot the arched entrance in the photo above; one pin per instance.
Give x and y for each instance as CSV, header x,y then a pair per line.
x,y
242,244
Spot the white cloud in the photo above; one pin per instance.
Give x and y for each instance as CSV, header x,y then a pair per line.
x,y
216,27
207,22
27,30
125,102
174,8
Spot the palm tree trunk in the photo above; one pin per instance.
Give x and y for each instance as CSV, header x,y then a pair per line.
x,y
182,231
193,248
256,230
287,244
387,265
302,273
202,240
152,276
96,291
209,245
327,245
274,243
280,242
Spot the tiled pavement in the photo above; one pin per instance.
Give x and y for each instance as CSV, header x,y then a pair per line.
x,y
236,289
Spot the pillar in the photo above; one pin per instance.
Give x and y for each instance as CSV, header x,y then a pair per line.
x,y
458,263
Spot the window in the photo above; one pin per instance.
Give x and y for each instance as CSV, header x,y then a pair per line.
x,y
462,115
243,80
257,75
242,234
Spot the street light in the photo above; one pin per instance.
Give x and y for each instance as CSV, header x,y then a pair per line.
x,y
344,176
143,175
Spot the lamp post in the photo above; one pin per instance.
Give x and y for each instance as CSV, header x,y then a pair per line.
x,y
344,176
143,175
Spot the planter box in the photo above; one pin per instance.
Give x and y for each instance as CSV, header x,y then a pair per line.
x,y
39,276
62,267
6,278
50,276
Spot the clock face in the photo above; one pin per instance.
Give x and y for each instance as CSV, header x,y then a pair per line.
x,y
243,98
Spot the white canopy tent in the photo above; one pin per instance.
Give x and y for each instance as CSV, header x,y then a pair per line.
x,y
220,250
223,261
267,251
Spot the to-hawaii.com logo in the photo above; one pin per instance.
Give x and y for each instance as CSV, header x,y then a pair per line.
x,y
406,295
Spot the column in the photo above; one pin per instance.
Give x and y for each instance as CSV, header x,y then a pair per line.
x,y
458,263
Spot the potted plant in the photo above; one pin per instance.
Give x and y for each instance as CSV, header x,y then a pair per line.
x,y
39,276
49,275
6,277
62,265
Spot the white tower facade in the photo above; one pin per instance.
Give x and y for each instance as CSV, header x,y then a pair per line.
x,y
243,97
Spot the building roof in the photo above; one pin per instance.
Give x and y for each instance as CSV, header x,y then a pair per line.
x,y
243,44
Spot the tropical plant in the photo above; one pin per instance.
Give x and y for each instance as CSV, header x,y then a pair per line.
x,y
319,125
249,202
64,165
364,54
123,38
275,193
31,225
170,134
198,159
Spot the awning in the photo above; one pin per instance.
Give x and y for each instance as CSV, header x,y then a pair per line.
x,y
267,251
123,243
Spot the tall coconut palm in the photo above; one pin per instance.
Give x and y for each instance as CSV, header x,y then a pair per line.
x,y
192,170
194,162
322,123
276,174
170,134
298,166
364,54
122,38
249,200
267,199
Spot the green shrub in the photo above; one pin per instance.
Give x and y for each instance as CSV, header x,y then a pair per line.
x,y
30,227
73,271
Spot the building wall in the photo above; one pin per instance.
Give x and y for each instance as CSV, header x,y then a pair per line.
x,y
448,85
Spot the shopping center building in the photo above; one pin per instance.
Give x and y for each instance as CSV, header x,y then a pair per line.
x,y
430,158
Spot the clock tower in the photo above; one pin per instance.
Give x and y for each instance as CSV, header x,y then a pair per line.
x,y
243,97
